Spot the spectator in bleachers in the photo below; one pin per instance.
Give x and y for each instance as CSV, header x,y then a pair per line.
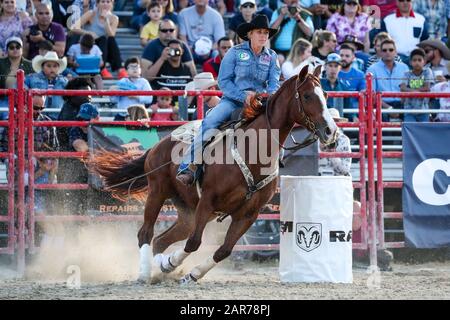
x,y
437,57
324,43
386,6
378,40
133,82
293,24
298,57
12,22
102,24
406,27
202,81
170,71
444,103
164,102
353,79
218,5
61,11
141,18
247,11
350,20
78,138
150,30
361,58
48,70
44,29
435,16
157,51
9,66
331,82
337,166
419,79
86,47
213,65
322,10
70,109
200,20
84,5
388,75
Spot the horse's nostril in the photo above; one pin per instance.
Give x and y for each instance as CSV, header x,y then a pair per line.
x,y
328,131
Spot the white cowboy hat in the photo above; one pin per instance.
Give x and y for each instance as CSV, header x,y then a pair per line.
x,y
334,113
49,56
202,81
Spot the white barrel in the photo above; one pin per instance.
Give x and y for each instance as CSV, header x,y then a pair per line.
x,y
316,229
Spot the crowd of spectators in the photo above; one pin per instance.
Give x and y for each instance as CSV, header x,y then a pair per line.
x,y
184,42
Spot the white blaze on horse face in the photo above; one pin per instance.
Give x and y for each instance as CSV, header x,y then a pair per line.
x,y
326,115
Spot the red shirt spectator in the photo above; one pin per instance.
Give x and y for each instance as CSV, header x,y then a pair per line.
x,y
213,65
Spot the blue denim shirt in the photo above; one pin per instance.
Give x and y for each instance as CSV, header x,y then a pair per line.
x,y
40,81
241,70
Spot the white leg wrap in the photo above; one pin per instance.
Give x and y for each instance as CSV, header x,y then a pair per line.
x,y
199,271
145,270
177,257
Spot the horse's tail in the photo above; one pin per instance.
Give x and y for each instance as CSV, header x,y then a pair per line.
x,y
118,171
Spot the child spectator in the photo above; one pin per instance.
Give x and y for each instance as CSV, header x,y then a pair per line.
x,y
150,30
48,70
164,103
133,82
86,46
44,47
419,79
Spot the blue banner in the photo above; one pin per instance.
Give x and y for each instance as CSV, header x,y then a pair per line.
x,y
426,184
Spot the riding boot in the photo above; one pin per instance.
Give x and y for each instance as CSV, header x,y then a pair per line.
x,y
186,175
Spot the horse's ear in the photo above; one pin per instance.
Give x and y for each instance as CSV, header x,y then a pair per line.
x,y
303,73
318,71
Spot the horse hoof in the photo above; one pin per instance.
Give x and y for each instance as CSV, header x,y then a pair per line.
x,y
163,263
188,279
142,280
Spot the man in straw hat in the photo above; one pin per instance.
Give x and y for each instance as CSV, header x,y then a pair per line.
x,y
437,57
239,85
203,81
48,70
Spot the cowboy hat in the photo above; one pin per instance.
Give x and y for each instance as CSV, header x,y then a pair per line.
x,y
202,81
353,40
437,44
260,21
49,56
334,113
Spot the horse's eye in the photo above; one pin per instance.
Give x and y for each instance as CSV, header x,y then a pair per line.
x,y
307,96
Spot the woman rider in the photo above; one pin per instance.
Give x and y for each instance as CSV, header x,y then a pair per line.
x,y
246,69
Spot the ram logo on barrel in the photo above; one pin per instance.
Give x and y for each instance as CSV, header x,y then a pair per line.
x,y
308,235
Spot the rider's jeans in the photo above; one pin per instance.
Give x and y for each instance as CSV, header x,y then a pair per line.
x,y
215,117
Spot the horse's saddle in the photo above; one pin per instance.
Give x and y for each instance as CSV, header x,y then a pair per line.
x,y
188,131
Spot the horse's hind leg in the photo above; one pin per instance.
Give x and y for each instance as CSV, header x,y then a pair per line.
x,y
152,207
235,231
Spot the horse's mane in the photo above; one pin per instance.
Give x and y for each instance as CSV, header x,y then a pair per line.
x,y
255,107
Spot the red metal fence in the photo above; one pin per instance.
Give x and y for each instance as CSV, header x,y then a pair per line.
x,y
21,234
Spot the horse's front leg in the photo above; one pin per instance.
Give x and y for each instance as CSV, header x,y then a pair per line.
x,y
239,225
203,213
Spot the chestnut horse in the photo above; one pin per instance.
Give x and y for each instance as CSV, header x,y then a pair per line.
x,y
300,100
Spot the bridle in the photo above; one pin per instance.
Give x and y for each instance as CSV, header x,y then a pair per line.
x,y
304,118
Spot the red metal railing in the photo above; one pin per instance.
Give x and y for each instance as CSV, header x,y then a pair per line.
x,y
9,218
26,123
380,155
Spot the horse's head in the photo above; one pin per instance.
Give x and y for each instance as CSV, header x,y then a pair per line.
x,y
312,111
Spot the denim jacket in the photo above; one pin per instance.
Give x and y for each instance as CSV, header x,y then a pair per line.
x,y
241,70
40,81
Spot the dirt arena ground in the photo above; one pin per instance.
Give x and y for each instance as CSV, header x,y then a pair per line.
x,y
108,262
255,281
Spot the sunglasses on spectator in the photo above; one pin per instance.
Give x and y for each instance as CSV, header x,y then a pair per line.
x,y
166,30
248,5
404,0
352,3
165,98
38,108
14,47
390,50
428,50
133,66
